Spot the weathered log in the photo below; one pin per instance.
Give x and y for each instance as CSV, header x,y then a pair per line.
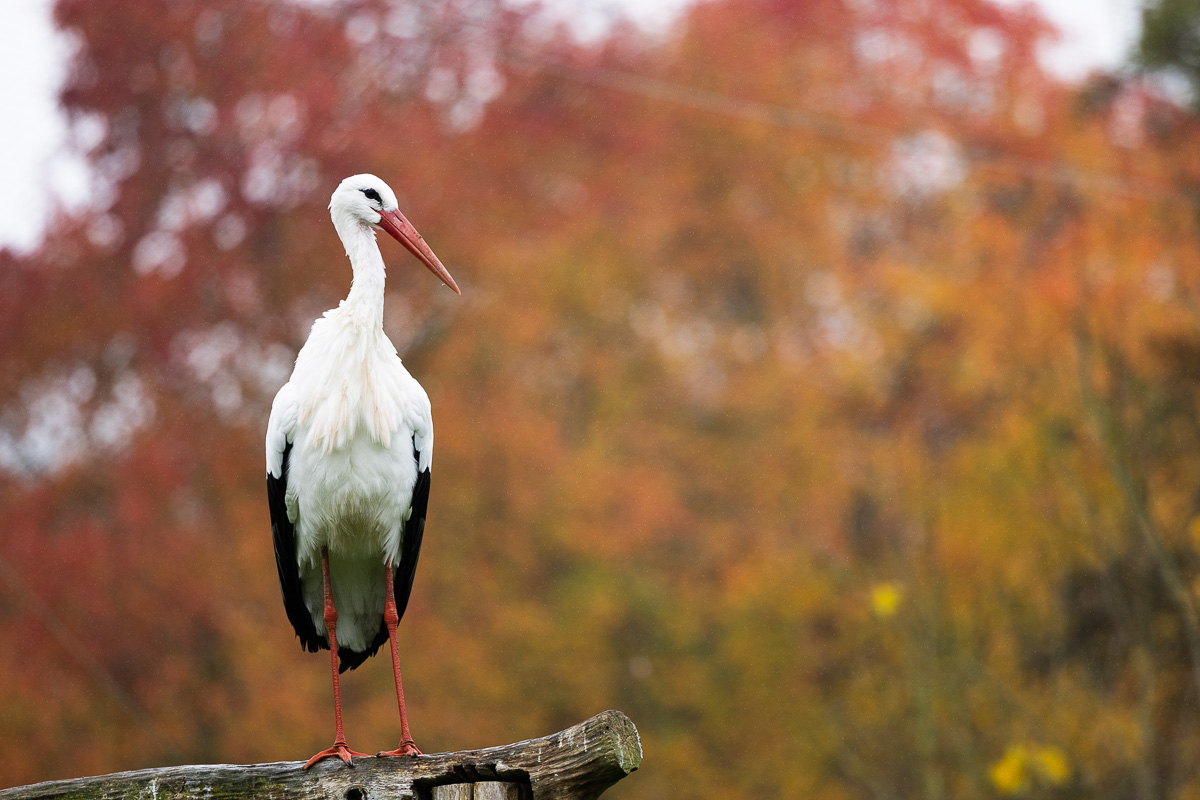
x,y
576,764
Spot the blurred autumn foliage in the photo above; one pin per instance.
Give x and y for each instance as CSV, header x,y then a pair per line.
x,y
822,394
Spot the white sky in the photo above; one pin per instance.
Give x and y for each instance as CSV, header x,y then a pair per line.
x,y
36,171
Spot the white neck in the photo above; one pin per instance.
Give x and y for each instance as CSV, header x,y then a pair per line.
x,y
365,301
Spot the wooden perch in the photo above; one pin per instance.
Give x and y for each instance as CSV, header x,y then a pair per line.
x,y
576,764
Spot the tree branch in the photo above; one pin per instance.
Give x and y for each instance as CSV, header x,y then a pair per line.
x,y
576,764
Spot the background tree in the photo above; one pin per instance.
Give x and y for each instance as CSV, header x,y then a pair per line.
x,y
1170,39
822,394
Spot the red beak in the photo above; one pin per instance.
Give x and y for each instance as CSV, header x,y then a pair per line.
x,y
403,232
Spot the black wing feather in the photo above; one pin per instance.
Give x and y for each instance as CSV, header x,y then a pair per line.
x,y
284,534
405,568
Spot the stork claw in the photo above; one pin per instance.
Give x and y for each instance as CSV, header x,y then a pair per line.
x,y
406,748
338,749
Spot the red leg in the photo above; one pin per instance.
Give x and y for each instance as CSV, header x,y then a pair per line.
x,y
339,747
391,618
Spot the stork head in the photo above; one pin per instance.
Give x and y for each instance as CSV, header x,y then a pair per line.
x,y
367,200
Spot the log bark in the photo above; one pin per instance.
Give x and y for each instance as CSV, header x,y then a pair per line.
x,y
578,763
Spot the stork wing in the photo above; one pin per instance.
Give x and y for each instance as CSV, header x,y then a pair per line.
x,y
284,534
410,542
283,529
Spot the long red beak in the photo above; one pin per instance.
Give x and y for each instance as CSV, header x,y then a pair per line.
x,y
403,232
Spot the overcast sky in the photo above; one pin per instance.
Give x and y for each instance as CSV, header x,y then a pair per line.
x,y
35,169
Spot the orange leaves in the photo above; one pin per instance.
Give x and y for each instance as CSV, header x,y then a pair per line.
x,y
808,362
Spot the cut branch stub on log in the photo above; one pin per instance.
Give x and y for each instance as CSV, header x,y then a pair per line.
x,y
576,764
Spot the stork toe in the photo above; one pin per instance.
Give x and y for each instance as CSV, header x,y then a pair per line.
x,y
340,750
406,748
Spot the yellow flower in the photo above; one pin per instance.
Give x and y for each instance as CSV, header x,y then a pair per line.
x,y
885,599
1008,774
1013,774
1052,765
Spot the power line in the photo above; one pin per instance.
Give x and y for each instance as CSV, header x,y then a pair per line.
x,y
846,130
726,105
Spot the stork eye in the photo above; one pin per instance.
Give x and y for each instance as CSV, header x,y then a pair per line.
x,y
372,195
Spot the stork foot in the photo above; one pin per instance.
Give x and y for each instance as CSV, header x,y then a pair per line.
x,y
406,748
339,750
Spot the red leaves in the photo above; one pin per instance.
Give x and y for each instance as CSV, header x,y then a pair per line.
x,y
714,304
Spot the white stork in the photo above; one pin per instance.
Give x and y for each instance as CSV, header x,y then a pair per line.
x,y
349,446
